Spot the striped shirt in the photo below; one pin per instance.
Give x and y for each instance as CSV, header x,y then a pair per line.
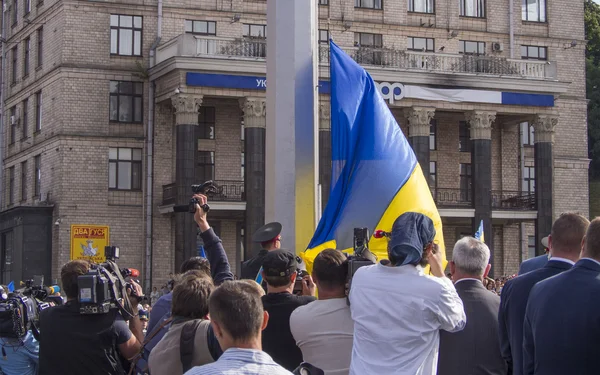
x,y
237,361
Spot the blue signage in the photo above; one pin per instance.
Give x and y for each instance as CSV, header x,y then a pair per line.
x,y
228,81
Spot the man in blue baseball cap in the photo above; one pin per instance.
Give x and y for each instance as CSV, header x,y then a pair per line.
x,y
398,310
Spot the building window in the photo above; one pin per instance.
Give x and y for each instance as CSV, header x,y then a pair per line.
x,y
531,246
40,45
323,2
323,36
368,40
23,181
38,111
433,174
24,121
421,44
37,176
465,182
11,185
26,50
201,27
421,6
7,256
534,10
464,137
125,168
255,31
526,134
27,7
243,165
243,131
15,6
12,120
126,101
471,48
472,8
206,123
534,53
125,35
370,4
528,180
433,135
15,59
205,168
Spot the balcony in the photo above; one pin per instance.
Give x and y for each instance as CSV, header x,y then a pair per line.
x,y
255,49
229,191
501,200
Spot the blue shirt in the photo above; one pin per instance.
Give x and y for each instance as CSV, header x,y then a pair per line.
x,y
22,358
237,361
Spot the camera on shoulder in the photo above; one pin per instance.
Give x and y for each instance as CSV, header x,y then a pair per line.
x,y
362,255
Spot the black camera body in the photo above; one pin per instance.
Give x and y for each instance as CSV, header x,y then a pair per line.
x,y
207,188
362,255
298,283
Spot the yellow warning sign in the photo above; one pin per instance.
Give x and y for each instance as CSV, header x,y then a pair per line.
x,y
88,242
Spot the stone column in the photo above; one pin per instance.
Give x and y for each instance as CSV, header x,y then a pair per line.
x,y
480,123
324,151
419,127
186,120
544,138
254,171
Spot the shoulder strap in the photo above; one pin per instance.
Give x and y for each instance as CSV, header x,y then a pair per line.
x,y
147,339
186,343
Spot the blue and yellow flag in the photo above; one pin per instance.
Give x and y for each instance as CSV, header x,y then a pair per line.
x,y
375,174
479,235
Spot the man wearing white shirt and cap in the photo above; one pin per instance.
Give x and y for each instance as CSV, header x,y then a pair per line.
x,y
398,310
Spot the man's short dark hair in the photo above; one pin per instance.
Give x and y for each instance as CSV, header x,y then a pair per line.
x,y
568,232
592,240
69,274
190,296
237,307
196,263
331,269
278,281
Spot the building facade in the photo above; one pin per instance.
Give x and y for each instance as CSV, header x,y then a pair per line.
x,y
112,110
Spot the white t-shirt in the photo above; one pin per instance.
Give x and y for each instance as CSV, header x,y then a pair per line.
x,y
397,313
323,331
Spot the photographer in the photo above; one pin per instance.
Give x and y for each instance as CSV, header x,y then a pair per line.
x,y
75,343
21,355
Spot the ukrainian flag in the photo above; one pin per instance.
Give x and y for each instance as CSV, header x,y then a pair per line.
x,y
375,173
479,235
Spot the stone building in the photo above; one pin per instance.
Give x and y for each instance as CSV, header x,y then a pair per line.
x,y
112,109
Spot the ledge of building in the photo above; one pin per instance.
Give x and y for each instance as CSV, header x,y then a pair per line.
x,y
214,206
496,214
571,163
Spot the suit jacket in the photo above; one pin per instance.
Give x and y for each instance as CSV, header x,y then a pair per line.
x,y
562,323
475,350
513,302
533,264
251,266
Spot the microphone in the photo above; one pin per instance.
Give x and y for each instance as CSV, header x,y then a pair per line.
x,y
380,234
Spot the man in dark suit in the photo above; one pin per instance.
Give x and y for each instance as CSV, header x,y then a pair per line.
x,y
269,237
562,321
536,262
475,350
565,247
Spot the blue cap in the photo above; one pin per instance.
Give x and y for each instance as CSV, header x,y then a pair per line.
x,y
410,233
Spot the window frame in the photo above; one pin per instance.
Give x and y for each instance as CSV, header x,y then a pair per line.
x,y
542,17
433,135
539,48
202,165
324,2
24,119
531,247
250,26
26,56
11,186
377,4
26,7
462,44
37,176
133,29
24,181
38,111
428,3
480,8
243,166
464,139
410,44
133,95
432,182
466,178
207,119
7,240
132,161
15,65
15,13
193,22
321,40
528,180
527,134
375,44
40,47
13,127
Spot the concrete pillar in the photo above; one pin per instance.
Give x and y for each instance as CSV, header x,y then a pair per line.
x,y
186,120
292,133
254,171
324,151
480,124
544,175
419,126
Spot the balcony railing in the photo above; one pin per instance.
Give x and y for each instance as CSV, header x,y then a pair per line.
x,y
452,198
228,191
513,200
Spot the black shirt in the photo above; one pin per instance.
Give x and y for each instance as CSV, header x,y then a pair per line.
x,y
277,339
251,267
71,343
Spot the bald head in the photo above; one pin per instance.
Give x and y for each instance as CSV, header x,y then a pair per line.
x,y
591,248
566,235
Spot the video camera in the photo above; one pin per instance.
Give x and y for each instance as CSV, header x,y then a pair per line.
x,y
104,287
208,188
20,310
362,255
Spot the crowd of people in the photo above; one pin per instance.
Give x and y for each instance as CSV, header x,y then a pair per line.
x,y
386,318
